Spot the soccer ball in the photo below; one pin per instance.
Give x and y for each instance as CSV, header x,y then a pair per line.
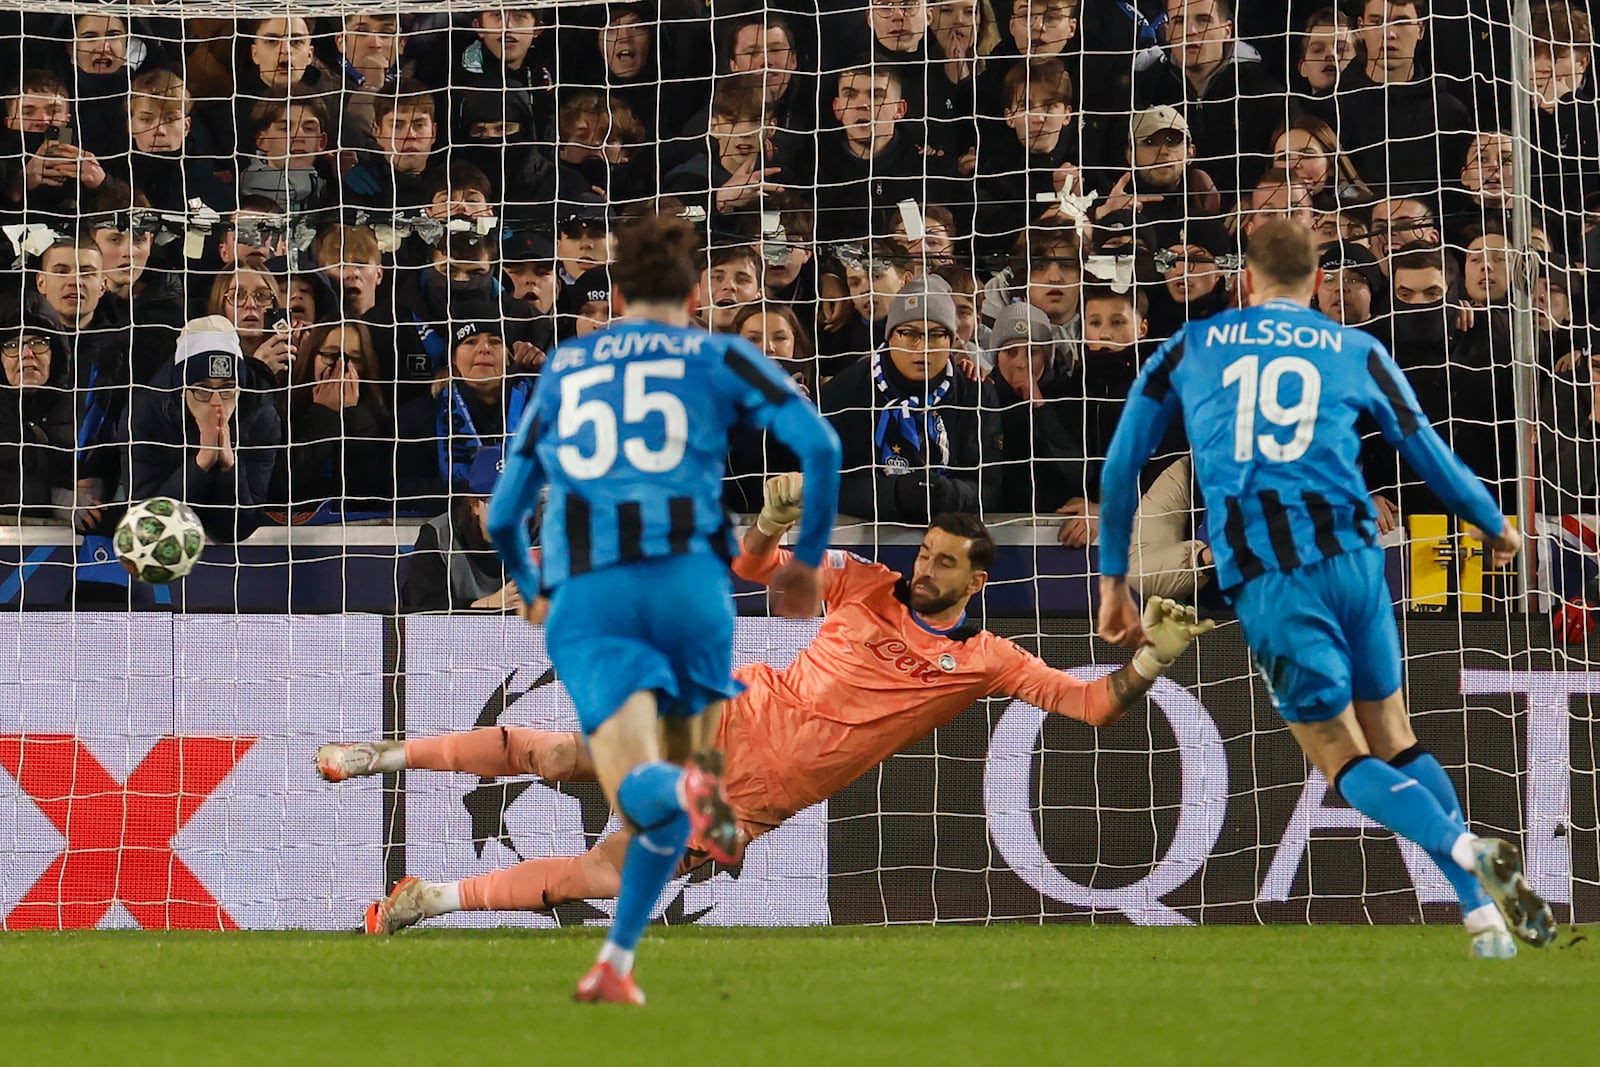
x,y
159,540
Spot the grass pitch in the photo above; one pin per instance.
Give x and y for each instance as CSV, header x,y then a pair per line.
x,y
905,997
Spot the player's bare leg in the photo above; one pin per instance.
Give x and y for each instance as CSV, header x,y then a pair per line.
x,y
492,752
1340,750
1387,727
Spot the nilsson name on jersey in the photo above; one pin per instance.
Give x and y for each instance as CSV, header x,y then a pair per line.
x,y
609,346
1273,332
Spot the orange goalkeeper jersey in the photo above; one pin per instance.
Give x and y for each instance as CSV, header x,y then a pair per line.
x,y
874,680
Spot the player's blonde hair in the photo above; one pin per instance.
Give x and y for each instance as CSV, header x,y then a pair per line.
x,y
1282,254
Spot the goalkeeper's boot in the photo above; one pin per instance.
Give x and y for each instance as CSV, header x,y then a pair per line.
x,y
1498,866
337,762
406,905
602,985
710,818
1495,944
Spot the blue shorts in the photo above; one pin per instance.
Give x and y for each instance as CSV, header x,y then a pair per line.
x,y
1323,635
664,625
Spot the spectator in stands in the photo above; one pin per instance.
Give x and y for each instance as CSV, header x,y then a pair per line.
x,y
42,172
739,170
310,298
117,219
275,60
1278,193
762,43
480,406
1193,287
1041,451
341,435
872,279
103,61
789,268
1229,102
899,31
350,258
1354,289
453,566
1486,269
1036,30
1565,133
1310,149
1165,192
1399,124
1038,161
458,190
37,421
528,260
915,432
1483,196
1113,327
506,64
964,33
1398,222
405,131
252,301
460,274
290,138
369,44
755,456
583,241
1326,49
71,278
171,160
964,293
199,438
586,305
776,330
628,69
730,283
937,245
872,161
257,230
1053,279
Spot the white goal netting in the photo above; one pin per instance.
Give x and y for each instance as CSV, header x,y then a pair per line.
x,y
392,213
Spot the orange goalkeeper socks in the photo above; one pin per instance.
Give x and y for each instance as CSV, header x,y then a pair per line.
x,y
536,885
499,751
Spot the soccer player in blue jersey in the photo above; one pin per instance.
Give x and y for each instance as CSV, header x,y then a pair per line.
x,y
629,428
1270,395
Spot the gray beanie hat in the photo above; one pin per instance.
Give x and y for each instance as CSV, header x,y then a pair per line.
x,y
923,300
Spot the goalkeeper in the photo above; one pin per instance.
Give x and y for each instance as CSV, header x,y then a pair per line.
x,y
895,658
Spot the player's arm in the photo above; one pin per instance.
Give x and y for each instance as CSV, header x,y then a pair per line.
x,y
1394,404
515,499
1169,627
1151,404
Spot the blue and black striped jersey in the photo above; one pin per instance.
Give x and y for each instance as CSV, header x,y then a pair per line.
x,y
629,428
1270,396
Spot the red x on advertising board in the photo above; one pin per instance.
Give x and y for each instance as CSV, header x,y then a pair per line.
x,y
119,834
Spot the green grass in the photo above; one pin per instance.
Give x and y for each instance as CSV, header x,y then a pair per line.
x,y
1344,996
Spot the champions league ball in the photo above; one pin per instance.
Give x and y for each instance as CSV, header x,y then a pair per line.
x,y
159,540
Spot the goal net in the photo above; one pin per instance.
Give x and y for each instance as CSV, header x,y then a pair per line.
x,y
299,264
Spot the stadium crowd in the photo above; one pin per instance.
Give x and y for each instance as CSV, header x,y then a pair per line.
x,y
300,266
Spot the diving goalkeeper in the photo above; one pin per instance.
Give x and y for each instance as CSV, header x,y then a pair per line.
x,y
895,658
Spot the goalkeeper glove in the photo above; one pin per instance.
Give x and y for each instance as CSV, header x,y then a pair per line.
x,y
780,503
1170,626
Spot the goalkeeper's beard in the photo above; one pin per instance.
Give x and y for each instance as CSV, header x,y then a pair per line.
x,y
927,601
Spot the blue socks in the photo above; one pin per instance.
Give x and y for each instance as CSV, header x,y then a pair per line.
x,y
1400,802
649,800
1421,765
